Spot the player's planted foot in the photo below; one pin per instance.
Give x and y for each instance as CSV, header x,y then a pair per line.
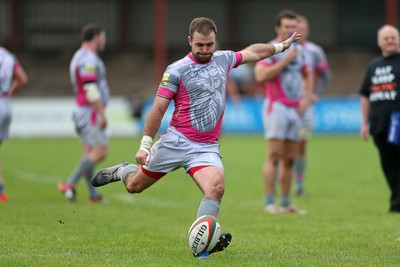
x,y
222,244
107,175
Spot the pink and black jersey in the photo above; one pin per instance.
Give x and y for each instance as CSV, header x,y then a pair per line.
x,y
199,94
8,63
86,67
286,87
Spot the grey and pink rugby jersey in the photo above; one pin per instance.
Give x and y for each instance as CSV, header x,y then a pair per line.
x,y
316,61
286,87
199,93
8,64
86,66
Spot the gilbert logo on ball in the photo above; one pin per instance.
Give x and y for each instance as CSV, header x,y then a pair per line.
x,y
204,233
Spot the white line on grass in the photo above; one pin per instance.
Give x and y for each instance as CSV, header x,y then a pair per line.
x,y
38,178
35,177
150,202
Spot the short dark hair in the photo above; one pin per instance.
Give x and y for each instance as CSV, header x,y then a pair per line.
x,y
284,14
89,31
202,25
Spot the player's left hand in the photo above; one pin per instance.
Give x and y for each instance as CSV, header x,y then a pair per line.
x,y
294,38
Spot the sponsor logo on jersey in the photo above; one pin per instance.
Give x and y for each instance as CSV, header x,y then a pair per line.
x,y
193,74
164,80
89,68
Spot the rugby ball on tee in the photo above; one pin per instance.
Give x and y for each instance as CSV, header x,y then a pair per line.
x,y
204,233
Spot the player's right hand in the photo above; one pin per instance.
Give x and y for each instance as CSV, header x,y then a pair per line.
x,y
142,157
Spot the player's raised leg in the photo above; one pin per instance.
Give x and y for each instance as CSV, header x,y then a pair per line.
x,y
134,178
112,174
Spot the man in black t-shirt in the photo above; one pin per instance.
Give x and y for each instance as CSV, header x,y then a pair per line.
x,y
380,100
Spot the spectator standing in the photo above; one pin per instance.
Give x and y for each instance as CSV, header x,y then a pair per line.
x,y
380,108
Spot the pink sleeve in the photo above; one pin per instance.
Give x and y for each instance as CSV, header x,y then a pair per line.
x,y
163,92
322,67
16,65
239,58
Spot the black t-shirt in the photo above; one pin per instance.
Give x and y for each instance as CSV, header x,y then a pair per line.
x,y
382,86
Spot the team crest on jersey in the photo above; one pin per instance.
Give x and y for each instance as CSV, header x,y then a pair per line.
x,y
164,80
193,74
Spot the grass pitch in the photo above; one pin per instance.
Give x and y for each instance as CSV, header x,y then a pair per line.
x,y
347,222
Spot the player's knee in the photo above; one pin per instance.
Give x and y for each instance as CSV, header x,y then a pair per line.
x,y
289,162
274,156
134,188
217,191
220,190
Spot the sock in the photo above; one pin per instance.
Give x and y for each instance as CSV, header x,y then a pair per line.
x,y
269,199
82,167
285,201
123,172
276,182
208,206
1,187
299,166
88,172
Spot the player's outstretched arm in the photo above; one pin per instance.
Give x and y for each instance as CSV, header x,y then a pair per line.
x,y
257,52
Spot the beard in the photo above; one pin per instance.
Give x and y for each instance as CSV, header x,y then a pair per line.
x,y
202,58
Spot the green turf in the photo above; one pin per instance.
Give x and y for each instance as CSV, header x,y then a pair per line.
x,y
347,222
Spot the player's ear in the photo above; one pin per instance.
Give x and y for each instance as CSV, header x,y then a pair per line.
x,y
190,40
